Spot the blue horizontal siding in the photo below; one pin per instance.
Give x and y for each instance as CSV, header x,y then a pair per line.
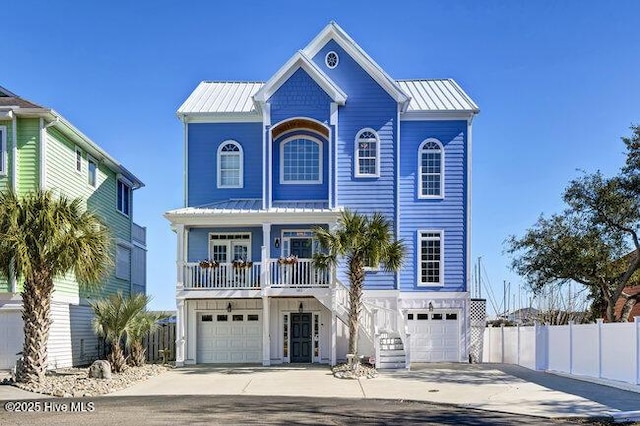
x,y
198,242
204,140
300,96
368,105
448,214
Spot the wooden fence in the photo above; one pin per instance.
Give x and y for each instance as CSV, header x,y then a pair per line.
x,y
163,339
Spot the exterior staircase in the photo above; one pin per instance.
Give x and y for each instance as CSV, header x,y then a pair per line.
x,y
391,354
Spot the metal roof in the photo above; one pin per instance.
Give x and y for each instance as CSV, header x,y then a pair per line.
x,y
437,95
221,97
254,206
432,95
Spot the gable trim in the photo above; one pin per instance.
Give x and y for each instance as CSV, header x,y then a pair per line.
x,y
300,61
337,34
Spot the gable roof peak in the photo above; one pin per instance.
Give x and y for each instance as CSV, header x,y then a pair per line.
x,y
300,61
333,31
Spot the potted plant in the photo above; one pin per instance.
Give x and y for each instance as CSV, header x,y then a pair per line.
x,y
288,260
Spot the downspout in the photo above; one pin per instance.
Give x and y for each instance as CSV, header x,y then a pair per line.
x,y
13,280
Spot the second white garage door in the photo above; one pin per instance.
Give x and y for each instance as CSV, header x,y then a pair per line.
x,y
234,337
435,336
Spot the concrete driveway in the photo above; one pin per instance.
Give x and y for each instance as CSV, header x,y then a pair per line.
x,y
494,387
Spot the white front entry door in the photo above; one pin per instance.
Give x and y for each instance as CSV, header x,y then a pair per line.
x,y
11,338
435,336
229,337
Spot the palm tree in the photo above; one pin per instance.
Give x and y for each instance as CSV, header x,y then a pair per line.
x,y
44,237
113,318
361,241
141,325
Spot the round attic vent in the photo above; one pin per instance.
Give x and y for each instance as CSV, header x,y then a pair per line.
x,y
331,60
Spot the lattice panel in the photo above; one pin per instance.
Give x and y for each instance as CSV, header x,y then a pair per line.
x,y
478,321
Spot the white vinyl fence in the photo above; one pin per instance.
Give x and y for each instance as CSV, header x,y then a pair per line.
x,y
601,350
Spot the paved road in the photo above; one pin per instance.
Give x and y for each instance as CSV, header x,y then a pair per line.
x,y
224,409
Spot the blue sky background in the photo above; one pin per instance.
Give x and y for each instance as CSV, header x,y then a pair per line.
x,y
558,83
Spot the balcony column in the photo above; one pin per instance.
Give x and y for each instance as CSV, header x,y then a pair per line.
x,y
180,255
266,254
266,337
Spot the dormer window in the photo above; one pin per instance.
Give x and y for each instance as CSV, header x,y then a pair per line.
x,y
367,154
230,173
431,169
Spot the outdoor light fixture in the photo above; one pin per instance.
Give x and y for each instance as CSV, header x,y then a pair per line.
x,y
300,308
229,307
276,242
430,307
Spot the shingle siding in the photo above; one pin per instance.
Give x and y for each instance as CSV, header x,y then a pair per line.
x,y
299,96
204,140
448,214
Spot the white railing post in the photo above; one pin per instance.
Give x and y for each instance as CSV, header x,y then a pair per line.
x,y
376,338
264,275
599,323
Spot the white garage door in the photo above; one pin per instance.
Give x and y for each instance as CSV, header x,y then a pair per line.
x,y
11,338
435,336
233,337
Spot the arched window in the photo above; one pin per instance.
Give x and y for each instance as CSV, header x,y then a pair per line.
x,y
367,154
431,169
230,163
301,160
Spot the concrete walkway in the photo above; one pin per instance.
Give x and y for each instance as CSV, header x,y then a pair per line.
x,y
493,387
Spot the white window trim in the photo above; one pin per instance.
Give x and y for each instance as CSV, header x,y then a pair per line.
x,y
3,148
356,156
78,150
124,183
218,165
419,183
249,241
326,59
320,159
92,160
126,247
419,262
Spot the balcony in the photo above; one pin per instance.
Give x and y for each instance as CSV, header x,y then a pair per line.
x,y
253,276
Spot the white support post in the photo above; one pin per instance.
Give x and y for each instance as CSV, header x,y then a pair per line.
x,y
570,347
334,336
180,255
599,323
636,321
180,340
502,343
266,340
266,255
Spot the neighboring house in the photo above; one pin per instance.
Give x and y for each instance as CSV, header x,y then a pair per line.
x,y
524,316
42,150
635,311
265,163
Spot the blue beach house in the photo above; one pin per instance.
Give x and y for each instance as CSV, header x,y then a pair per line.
x,y
266,162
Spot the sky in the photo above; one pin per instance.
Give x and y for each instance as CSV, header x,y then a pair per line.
x,y
557,82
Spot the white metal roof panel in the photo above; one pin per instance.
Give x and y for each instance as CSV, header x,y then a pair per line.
x,y
442,95
212,97
221,97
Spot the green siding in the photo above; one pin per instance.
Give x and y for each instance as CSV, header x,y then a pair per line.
x,y
28,155
61,175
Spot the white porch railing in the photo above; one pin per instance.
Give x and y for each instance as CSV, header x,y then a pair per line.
x,y
224,275
302,273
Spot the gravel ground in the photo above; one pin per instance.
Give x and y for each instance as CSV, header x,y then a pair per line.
x,y
74,382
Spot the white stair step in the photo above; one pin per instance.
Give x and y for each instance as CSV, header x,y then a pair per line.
x,y
391,365
392,352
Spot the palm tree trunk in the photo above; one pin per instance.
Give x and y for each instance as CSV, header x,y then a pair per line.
x,y
116,357
356,277
138,354
36,309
